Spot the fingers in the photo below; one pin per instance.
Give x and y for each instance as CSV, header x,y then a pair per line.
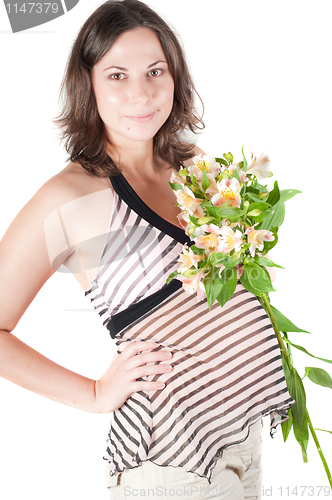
x,y
140,359
148,386
136,356
147,370
135,347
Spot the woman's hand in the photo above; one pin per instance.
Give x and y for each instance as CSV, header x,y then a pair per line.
x,y
120,379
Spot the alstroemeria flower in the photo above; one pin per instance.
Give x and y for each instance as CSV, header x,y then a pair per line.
x,y
176,178
188,259
184,221
201,161
188,202
193,284
212,241
242,174
257,238
230,240
259,166
228,191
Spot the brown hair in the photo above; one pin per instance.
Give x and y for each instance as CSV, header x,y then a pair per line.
x,y
83,130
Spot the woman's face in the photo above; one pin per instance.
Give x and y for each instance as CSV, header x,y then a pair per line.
x,y
134,88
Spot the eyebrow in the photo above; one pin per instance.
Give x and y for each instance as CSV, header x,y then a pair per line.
x,y
126,69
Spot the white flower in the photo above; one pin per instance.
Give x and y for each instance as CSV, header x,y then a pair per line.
x,y
259,166
257,238
207,162
228,191
188,259
193,284
230,240
188,202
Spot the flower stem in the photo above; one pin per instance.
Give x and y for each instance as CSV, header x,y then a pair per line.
x,y
314,435
287,357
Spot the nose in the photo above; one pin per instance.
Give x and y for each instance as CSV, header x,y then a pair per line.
x,y
139,91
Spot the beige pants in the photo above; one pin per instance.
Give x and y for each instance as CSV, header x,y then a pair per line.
x,y
236,476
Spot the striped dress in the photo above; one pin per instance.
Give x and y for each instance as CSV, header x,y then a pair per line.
x,y
227,371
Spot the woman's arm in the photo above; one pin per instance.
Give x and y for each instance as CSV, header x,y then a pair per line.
x,y
24,268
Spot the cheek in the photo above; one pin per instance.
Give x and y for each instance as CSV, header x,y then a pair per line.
x,y
108,103
169,96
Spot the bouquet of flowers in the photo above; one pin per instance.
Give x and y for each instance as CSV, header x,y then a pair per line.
x,y
233,221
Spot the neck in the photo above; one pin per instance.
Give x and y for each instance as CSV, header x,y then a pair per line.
x,y
136,159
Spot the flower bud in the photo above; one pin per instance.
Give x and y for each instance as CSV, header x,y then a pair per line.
x,y
204,220
255,212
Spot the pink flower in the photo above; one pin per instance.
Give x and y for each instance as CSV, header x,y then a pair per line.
x,y
193,284
257,238
259,166
188,202
188,259
211,241
207,162
184,221
228,191
230,240
176,178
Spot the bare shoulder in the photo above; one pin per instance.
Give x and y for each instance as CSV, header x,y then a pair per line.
x,y
199,151
69,184
26,255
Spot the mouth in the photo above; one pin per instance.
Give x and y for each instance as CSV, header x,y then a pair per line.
x,y
141,118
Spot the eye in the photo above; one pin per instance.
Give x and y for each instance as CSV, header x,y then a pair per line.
x,y
116,76
155,72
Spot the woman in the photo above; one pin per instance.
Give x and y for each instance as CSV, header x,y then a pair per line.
x,y
187,384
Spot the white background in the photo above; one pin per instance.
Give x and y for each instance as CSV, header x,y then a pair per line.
x,y
263,70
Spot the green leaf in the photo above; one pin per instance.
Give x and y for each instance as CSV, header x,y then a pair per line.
x,y
176,187
284,324
245,282
171,276
258,278
194,220
300,348
296,390
212,283
301,433
211,211
197,251
217,258
263,261
229,279
245,164
236,175
286,426
205,181
268,245
274,195
260,205
287,194
222,161
253,196
275,216
233,214
319,376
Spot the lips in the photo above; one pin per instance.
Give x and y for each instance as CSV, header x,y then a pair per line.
x,y
141,118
